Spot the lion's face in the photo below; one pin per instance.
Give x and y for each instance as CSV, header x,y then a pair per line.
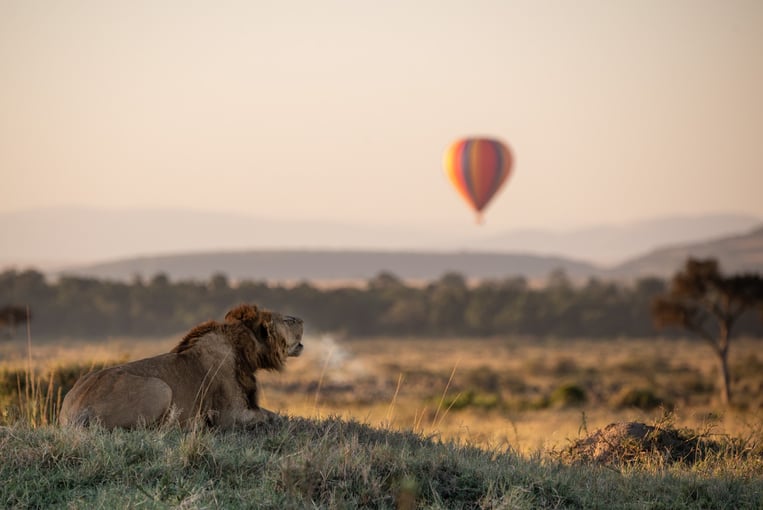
x,y
290,330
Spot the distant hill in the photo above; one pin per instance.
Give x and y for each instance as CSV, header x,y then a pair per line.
x,y
612,244
290,265
61,236
736,254
65,236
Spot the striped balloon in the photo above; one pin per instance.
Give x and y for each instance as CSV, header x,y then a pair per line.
x,y
477,167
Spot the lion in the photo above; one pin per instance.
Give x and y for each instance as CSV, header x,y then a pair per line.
x,y
209,375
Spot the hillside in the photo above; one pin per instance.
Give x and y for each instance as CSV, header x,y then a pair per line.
x,y
288,265
614,244
187,244
332,463
737,254
66,236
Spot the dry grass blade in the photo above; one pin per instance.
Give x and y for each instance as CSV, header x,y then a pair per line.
x,y
435,423
391,408
316,411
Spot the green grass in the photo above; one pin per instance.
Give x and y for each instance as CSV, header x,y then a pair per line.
x,y
301,463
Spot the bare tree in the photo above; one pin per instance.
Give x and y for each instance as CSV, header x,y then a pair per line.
x,y
707,303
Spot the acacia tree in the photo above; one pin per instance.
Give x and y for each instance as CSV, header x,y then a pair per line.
x,y
705,302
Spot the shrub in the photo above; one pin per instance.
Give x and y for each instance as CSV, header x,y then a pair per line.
x,y
641,398
458,401
471,399
567,395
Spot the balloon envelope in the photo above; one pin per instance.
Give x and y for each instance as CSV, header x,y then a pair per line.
x,y
477,168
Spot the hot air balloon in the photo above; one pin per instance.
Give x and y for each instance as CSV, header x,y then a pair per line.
x,y
477,167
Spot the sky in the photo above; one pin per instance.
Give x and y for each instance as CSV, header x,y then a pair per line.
x,y
341,110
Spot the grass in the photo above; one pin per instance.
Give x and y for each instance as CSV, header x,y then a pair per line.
x,y
528,394
333,463
395,423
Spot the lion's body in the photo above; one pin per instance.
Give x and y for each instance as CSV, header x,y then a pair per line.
x,y
210,376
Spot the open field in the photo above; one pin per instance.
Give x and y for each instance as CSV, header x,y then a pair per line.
x,y
524,393
494,422
527,394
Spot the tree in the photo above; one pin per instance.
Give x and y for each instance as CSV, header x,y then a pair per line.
x,y
11,316
448,297
707,303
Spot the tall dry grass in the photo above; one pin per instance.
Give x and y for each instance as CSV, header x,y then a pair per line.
x,y
491,392
37,397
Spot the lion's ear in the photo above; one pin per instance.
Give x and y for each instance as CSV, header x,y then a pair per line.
x,y
248,314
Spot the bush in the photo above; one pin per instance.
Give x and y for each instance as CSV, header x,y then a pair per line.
x,y
458,401
641,398
568,395
471,399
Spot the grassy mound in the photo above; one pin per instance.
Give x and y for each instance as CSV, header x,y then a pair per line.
x,y
300,463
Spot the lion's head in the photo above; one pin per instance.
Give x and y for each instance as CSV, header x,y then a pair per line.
x,y
277,336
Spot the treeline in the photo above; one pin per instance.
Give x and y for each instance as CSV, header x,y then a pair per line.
x,y
76,307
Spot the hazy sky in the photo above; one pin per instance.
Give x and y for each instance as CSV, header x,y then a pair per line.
x,y
340,110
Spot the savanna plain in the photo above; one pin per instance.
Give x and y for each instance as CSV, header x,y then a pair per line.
x,y
407,423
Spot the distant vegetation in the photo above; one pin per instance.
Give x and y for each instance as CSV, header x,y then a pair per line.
x,y
78,307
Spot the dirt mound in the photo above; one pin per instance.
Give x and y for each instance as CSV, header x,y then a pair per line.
x,y
634,442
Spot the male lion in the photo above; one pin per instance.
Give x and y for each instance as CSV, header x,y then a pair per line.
x,y
209,375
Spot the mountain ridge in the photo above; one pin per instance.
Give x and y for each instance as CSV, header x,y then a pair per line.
x,y
305,265
736,253
68,236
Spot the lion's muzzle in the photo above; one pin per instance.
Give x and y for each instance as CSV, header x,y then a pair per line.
x,y
296,350
295,326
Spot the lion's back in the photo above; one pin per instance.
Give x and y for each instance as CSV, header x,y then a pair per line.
x,y
146,388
